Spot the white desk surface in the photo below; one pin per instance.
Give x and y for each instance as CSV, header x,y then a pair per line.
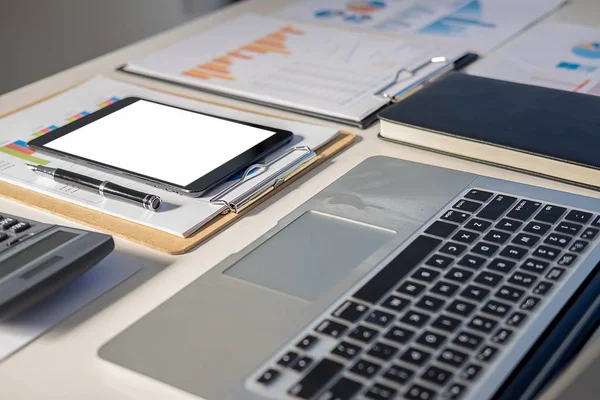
x,y
64,364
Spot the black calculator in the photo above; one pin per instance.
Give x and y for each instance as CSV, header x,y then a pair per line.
x,y
38,259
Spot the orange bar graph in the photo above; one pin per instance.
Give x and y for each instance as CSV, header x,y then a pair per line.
x,y
196,73
214,67
223,60
238,54
258,48
271,42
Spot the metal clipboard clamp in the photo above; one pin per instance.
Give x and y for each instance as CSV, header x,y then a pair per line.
x,y
236,198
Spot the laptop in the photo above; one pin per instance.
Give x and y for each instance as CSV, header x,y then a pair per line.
x,y
398,280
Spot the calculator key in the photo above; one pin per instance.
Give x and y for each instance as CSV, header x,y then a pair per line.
x,y
453,249
415,318
569,228
550,214
378,317
482,324
555,274
496,308
453,357
556,239
465,236
522,279
578,246
399,335
495,236
479,195
578,216
470,372
514,252
589,233
545,252
488,279
395,303
380,392
444,288
418,392
439,261
567,259
7,222
525,239
308,342
508,224
474,293
363,334
350,311
302,363
441,229
3,236
542,288
411,288
509,293
431,339
537,228
496,207
533,265
346,350
398,374
343,389
486,354
485,249
415,356
20,227
425,275
471,261
454,391
530,303
460,307
382,351
288,359
467,340
436,375
430,303
501,336
331,328
501,265
268,377
446,323
478,225
316,379
516,319
458,275
455,216
365,368
467,205
596,222
524,209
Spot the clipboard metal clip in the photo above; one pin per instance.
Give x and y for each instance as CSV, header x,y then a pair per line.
x,y
249,196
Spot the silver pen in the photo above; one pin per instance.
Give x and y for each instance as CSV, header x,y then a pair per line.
x,y
104,188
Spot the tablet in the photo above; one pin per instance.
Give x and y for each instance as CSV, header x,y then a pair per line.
x,y
171,148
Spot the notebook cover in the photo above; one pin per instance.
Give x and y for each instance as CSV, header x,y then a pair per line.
x,y
551,123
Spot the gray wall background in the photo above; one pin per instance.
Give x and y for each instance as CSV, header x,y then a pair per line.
x,y
41,37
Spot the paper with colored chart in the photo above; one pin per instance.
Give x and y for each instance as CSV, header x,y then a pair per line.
x,y
479,25
179,215
291,65
554,55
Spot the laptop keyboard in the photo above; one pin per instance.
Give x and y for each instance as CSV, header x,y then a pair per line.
x,y
435,319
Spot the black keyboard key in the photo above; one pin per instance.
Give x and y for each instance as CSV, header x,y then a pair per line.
x,y
346,350
382,351
366,369
509,293
496,308
308,342
501,265
589,233
302,363
486,354
550,214
569,228
508,225
578,246
524,209
378,317
474,293
458,275
453,249
430,303
453,357
495,236
488,279
556,239
268,377
395,303
436,375
418,392
472,261
567,259
20,227
444,288
411,288
497,207
455,391
514,252
441,229
479,195
415,356
288,359
465,236
455,216
522,279
350,311
535,266
415,318
439,261
398,374
536,228
331,328
502,336
380,392
431,339
478,225
545,252
363,334
470,372
399,335
485,249
446,323
525,239
578,216
467,205
342,390
530,303
397,269
542,288
7,222
461,308
3,236
467,340
316,379
425,275
482,324
516,319
555,274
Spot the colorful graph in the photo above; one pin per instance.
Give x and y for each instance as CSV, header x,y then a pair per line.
x,y
587,50
576,67
77,116
220,67
459,21
19,149
356,11
42,132
108,102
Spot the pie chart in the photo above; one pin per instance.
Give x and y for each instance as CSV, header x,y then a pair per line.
x,y
588,50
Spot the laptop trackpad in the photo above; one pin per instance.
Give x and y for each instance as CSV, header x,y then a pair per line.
x,y
310,255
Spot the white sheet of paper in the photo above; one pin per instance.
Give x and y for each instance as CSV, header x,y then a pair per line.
x,y
32,323
479,25
552,54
